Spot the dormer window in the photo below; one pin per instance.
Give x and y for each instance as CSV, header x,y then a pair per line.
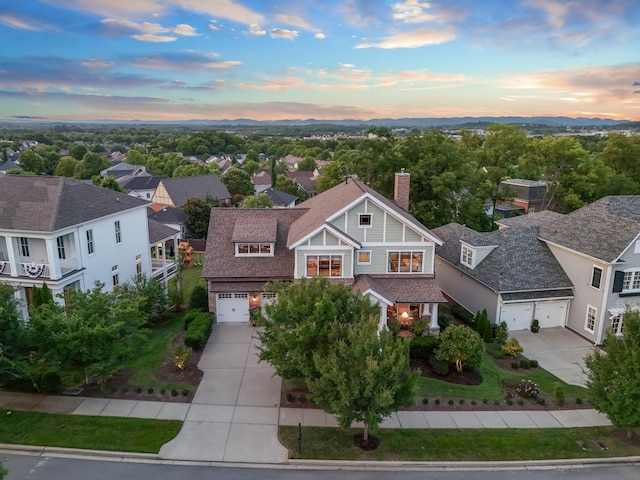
x,y
364,220
466,256
254,249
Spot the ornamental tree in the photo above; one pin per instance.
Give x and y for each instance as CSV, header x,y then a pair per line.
x,y
364,376
613,377
461,346
307,319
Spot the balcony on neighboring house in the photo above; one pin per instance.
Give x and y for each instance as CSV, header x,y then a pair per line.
x,y
5,267
163,269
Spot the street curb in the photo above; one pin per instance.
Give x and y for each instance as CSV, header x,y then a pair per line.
x,y
362,465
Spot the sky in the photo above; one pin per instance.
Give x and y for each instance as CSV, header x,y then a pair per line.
x,y
173,60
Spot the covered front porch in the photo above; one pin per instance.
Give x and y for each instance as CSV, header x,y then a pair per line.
x,y
408,304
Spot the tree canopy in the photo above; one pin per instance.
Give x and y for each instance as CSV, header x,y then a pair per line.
x,y
198,213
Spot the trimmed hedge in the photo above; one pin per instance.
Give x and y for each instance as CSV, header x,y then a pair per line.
x,y
423,347
189,316
462,313
198,330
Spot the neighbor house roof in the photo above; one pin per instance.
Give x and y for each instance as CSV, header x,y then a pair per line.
x,y
602,229
307,180
9,165
335,199
159,231
519,262
531,220
280,199
139,182
47,204
401,289
167,215
220,260
200,186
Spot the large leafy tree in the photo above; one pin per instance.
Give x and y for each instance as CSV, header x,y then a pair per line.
x,y
195,169
238,182
308,318
261,200
107,182
90,165
288,185
32,162
152,296
12,345
94,330
364,376
333,174
198,213
613,376
66,167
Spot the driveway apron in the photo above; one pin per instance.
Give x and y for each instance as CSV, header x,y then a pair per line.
x,y
234,414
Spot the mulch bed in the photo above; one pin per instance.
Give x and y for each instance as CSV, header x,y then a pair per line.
x,y
298,398
119,387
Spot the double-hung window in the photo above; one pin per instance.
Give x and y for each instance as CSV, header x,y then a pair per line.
x,y
60,244
404,262
24,246
90,246
118,231
596,277
590,323
324,265
466,256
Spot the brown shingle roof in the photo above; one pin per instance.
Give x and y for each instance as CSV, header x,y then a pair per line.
x,y
259,229
220,260
47,204
401,289
602,229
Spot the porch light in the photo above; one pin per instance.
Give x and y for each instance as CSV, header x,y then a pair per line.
x,y
404,315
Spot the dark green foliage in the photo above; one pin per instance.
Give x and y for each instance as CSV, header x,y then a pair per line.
x,y
425,401
462,313
533,363
190,315
198,331
423,347
515,364
439,367
502,333
198,212
50,383
558,394
444,320
460,345
199,298
151,295
483,326
524,363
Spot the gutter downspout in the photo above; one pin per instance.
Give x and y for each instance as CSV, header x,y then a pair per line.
x,y
605,296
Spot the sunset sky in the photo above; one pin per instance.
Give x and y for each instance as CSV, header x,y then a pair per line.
x,y
295,59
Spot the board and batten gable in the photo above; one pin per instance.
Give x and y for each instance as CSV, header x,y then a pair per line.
x,y
324,242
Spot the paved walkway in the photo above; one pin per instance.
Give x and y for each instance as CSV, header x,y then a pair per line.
x,y
235,412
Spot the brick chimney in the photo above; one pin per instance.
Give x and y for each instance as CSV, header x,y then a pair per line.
x,y
401,189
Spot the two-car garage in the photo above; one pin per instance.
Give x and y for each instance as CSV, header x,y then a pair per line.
x,y
519,315
234,307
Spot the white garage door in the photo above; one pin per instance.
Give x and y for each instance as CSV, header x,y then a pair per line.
x,y
552,313
517,315
268,298
232,307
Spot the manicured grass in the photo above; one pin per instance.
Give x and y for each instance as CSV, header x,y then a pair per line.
x,y
190,278
456,445
491,387
76,431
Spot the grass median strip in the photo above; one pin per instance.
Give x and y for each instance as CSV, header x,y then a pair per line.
x,y
76,431
458,445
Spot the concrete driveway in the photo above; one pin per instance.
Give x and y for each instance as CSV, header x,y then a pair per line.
x,y
557,350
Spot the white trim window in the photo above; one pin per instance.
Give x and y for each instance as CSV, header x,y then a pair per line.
x,y
617,324
590,322
24,246
365,220
596,277
62,254
90,245
466,256
324,265
631,281
363,257
409,261
116,279
254,249
118,232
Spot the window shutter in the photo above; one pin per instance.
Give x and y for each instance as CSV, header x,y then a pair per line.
x,y
618,280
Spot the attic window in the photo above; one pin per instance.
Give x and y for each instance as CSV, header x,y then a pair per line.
x,y
254,250
466,256
364,220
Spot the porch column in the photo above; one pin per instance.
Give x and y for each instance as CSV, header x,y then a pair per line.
x,y
12,250
52,259
434,328
383,317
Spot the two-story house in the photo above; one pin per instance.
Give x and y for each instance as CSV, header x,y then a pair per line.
x,y
598,246
174,192
70,235
349,233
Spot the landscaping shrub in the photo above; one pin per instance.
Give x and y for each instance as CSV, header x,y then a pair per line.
x,y
50,382
425,401
189,316
578,401
150,390
483,326
419,327
558,394
495,350
528,389
509,401
181,354
462,313
520,401
199,298
540,400
512,348
524,363
198,331
437,401
515,364
502,333
439,367
174,393
534,363
444,320
451,402
423,347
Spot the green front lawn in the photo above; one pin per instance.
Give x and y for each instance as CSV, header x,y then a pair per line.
x,y
456,445
76,431
491,387
190,278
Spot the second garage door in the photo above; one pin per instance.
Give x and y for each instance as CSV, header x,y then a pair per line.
x,y
232,307
552,313
517,315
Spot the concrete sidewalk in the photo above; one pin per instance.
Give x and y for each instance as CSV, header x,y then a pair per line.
x,y
235,412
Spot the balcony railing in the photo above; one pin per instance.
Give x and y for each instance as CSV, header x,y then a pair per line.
x,y
5,268
68,265
35,270
163,270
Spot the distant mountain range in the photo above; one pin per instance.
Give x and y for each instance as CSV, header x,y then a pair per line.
x,y
376,122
